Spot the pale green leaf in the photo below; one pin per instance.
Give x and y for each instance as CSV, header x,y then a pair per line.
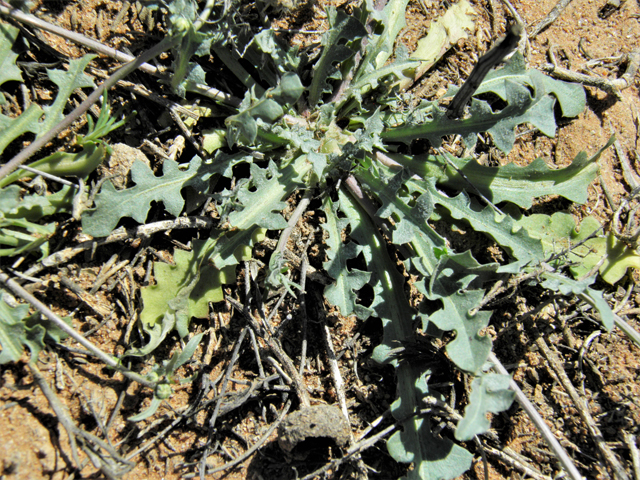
x,y
489,393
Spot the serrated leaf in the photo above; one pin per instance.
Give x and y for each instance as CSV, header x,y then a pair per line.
x,y
33,207
432,457
12,128
66,82
380,45
519,185
458,271
521,108
284,59
243,127
501,228
262,207
9,71
489,393
571,96
469,350
337,42
15,334
342,292
135,202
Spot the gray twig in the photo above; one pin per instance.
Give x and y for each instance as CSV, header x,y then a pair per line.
x,y
537,420
121,234
606,453
42,308
550,18
612,87
276,349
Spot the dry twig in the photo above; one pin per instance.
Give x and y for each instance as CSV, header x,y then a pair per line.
x,y
583,410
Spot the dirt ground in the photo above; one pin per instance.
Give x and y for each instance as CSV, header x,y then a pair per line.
x,y
605,370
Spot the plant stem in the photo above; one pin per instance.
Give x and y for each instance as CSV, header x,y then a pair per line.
x,y
42,308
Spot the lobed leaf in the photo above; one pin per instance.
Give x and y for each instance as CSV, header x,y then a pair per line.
x,y
337,42
342,292
433,457
111,205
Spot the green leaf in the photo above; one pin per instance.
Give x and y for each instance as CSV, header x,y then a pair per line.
x,y
338,45
15,334
67,82
469,350
501,228
342,292
188,277
134,202
262,206
64,164
12,128
153,408
9,71
33,207
243,127
489,393
521,108
432,457
512,83
570,96
519,185
559,233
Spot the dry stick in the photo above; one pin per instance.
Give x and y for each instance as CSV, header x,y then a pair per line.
x,y
276,349
113,53
514,463
61,412
293,221
550,18
537,420
73,430
67,121
612,87
42,308
225,381
606,453
143,231
485,63
627,171
635,456
250,451
303,311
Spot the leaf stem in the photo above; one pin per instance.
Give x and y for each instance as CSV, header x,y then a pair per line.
x,y
42,308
